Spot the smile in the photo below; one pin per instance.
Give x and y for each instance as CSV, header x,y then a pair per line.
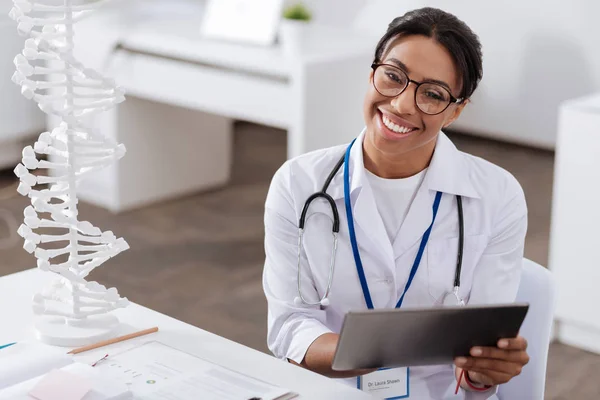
x,y
394,127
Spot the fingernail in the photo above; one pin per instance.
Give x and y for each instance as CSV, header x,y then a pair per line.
x,y
503,343
460,361
476,351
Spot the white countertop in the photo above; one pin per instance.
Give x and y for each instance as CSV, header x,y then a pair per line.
x,y
173,30
589,103
181,39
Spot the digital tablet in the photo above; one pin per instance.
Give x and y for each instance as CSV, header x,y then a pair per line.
x,y
413,337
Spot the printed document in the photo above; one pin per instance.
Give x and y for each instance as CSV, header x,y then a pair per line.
x,y
155,371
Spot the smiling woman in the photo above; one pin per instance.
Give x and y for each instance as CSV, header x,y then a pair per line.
x,y
440,56
424,224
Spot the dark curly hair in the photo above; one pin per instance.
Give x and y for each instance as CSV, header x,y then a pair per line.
x,y
452,33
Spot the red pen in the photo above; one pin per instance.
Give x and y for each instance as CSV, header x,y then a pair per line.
x,y
102,359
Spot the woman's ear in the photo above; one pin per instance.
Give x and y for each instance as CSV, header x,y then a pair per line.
x,y
456,113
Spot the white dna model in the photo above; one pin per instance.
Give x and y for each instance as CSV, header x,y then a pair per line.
x,y
71,311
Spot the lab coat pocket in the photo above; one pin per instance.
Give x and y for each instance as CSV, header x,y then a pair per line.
x,y
442,256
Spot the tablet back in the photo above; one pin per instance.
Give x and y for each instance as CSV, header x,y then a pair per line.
x,y
413,337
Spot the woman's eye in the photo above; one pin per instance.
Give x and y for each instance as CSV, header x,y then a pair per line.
x,y
394,77
435,96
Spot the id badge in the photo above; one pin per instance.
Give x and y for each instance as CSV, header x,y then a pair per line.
x,y
386,383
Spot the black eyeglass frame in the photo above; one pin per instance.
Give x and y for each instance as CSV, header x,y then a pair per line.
x,y
453,100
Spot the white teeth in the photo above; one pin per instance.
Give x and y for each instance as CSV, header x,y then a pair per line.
x,y
392,126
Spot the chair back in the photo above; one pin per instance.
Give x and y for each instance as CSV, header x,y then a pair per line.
x,y
537,288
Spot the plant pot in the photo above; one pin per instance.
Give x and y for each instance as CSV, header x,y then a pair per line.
x,y
292,36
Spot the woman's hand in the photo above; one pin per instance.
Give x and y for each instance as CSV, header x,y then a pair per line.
x,y
495,365
319,357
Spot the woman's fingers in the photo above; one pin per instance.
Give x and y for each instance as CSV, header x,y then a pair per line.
x,y
496,365
517,356
489,364
518,343
489,378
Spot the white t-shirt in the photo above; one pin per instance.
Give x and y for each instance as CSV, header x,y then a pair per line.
x,y
393,198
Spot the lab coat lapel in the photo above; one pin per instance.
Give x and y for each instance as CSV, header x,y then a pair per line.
x,y
418,219
370,228
371,235
448,173
450,170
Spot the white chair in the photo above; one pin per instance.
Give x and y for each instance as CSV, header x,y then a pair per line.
x,y
538,289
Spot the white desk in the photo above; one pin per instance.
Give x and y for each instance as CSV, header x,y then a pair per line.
x,y
17,290
574,257
183,92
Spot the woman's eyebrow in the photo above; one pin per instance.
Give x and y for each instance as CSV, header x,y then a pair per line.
x,y
399,63
403,67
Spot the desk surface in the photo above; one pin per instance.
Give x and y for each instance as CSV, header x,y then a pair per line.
x,y
16,291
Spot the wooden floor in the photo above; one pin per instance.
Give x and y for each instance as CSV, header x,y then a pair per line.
x,y
199,258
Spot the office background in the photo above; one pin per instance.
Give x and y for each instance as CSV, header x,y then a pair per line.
x,y
197,256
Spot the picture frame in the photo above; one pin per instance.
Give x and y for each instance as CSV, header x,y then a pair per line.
x,y
245,21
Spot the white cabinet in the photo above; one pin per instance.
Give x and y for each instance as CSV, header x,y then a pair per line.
x,y
183,91
575,236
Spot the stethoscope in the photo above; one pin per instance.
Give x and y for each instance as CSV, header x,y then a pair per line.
x,y
454,297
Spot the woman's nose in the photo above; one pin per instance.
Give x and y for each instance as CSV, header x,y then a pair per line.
x,y
404,103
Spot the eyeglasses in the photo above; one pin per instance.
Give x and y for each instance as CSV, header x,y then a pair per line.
x,y
430,98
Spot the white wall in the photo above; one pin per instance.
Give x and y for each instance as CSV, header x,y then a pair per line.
x,y
537,53
18,115
332,12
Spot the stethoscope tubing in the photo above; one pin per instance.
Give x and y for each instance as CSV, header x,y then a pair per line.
x,y
324,300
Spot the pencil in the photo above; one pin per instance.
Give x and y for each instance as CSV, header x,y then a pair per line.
x,y
114,340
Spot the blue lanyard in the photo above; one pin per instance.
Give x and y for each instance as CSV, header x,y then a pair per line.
x,y
357,260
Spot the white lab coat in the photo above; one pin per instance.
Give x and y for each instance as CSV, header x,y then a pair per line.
x,y
495,217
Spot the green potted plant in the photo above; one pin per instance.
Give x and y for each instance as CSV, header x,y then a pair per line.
x,y
297,12
293,27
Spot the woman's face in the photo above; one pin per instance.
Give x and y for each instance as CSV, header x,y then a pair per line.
x,y
422,59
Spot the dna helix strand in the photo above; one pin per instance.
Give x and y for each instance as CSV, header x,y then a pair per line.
x,y
71,311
